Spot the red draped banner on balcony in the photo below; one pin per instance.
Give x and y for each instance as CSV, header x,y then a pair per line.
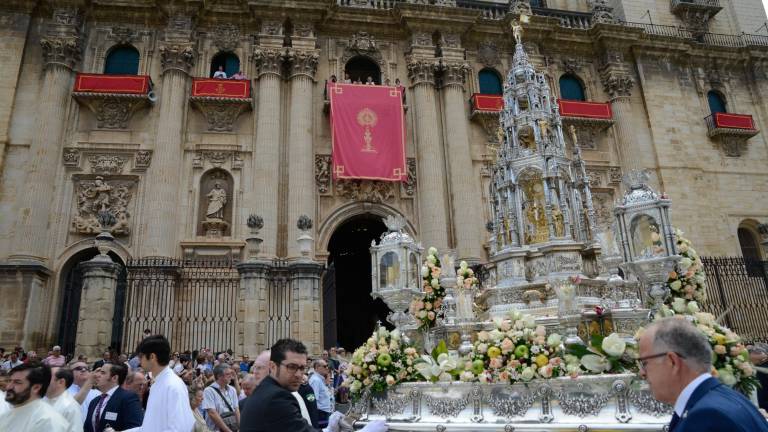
x,y
98,83
486,102
734,121
221,88
594,110
368,132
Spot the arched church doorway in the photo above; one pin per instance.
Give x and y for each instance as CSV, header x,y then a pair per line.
x,y
71,286
349,312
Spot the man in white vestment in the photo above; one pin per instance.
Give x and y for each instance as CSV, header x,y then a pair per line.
x,y
168,408
61,400
29,382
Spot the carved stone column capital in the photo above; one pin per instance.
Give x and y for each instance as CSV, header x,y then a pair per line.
x,y
422,71
455,74
615,75
62,42
303,63
520,7
177,56
602,12
268,60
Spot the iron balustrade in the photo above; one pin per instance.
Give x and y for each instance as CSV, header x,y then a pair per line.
x,y
568,19
703,3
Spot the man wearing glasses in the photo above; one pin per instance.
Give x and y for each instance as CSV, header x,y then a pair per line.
x,y
675,359
272,407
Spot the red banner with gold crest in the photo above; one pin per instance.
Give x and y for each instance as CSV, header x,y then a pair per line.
x,y
368,132
221,88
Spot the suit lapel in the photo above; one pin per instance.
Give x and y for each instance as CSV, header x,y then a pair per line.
x,y
112,406
705,387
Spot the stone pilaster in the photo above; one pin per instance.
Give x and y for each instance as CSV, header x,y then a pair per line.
x,y
253,316
25,294
433,218
465,190
97,306
61,52
301,161
617,81
266,179
177,56
306,317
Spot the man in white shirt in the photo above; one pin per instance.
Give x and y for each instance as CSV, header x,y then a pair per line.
x,y
82,387
29,382
675,358
220,399
220,73
323,395
12,362
168,408
60,399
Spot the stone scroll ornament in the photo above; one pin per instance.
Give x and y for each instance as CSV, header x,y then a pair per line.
x,y
95,196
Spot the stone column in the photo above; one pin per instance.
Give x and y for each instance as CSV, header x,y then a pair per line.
x,y
306,317
618,83
160,218
465,190
61,52
301,178
433,220
266,160
97,306
252,319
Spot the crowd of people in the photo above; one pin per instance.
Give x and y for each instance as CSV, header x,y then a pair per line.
x,y
156,389
283,389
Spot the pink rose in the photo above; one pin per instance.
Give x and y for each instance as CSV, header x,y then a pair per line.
x,y
507,346
495,363
431,315
504,376
719,349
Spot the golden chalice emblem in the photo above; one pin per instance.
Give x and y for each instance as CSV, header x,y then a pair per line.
x,y
367,119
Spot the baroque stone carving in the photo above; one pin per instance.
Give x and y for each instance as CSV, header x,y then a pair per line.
x,y
114,111
122,35
71,157
363,44
142,159
365,190
303,62
618,84
454,74
421,38
217,158
221,113
62,43
94,195
614,175
106,164
304,223
226,37
594,178
303,29
603,204
602,12
488,54
409,186
323,173
177,56
572,65
520,7
450,40
422,71
271,28
268,61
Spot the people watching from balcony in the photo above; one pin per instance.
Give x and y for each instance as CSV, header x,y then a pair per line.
x,y
347,79
239,75
369,81
400,87
220,73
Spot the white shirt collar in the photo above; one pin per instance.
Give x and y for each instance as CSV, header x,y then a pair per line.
x,y
682,399
111,391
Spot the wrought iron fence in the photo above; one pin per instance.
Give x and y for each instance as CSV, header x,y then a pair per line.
x,y
192,302
738,289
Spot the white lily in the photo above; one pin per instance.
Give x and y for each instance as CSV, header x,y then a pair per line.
x,y
430,368
596,363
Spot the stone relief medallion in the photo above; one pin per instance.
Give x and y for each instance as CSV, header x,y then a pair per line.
x,y
365,190
488,54
98,194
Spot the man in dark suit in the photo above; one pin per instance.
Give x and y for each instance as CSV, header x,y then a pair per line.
x,y
117,408
272,406
675,359
105,358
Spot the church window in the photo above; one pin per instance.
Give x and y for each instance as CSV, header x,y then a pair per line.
x,y
359,68
228,61
571,88
750,249
490,82
122,60
716,102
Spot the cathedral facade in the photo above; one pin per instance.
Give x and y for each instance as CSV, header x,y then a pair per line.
x,y
111,125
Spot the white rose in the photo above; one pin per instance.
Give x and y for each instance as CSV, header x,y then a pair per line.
x,y
424,271
431,259
530,321
482,348
678,304
495,335
726,377
614,345
683,247
355,386
705,318
467,376
422,314
395,334
693,307
432,251
463,265
435,283
554,340
676,285
390,380
685,263
527,374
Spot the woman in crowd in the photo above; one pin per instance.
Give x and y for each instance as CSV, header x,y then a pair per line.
x,y
195,399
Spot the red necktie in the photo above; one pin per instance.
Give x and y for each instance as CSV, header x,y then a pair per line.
x,y
97,413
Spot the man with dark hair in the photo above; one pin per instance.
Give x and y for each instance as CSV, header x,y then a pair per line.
x,y
118,408
28,385
168,403
220,401
272,406
675,358
60,399
105,358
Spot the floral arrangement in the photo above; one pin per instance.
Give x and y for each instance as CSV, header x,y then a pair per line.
x,y
517,350
425,310
440,366
382,362
688,280
465,277
730,358
610,353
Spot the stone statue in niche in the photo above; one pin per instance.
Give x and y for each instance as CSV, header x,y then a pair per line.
x,y
217,199
558,221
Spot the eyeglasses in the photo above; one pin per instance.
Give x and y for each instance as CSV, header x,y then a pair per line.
x,y
642,362
80,369
293,368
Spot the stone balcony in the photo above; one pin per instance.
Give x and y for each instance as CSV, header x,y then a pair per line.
x,y
596,115
485,109
732,131
221,101
684,7
113,98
